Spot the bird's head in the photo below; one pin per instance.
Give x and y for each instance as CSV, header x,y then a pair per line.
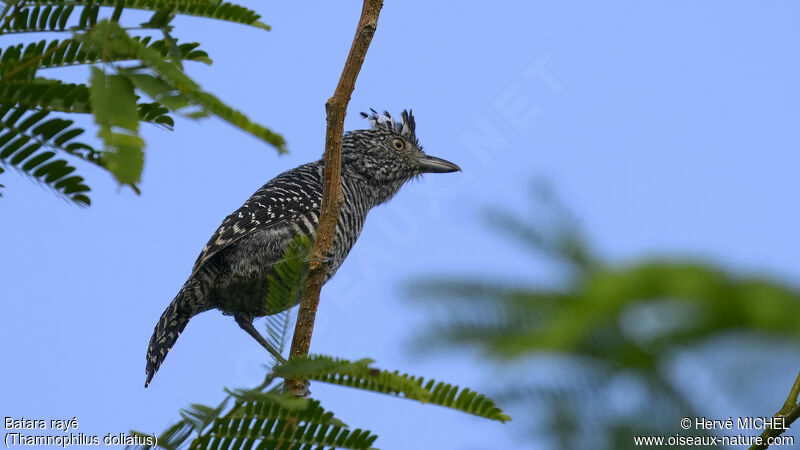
x,y
389,154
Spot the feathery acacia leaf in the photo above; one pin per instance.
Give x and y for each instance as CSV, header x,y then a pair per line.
x,y
21,141
285,286
268,423
201,8
287,281
98,37
360,375
262,420
36,18
273,419
114,109
54,95
22,61
170,86
156,113
51,95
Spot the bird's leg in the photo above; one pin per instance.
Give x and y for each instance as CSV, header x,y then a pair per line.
x,y
246,322
306,392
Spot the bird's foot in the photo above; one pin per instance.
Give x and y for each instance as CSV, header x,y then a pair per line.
x,y
329,258
298,388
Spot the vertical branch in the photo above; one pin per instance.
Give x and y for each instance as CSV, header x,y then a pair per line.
x,y
789,412
335,108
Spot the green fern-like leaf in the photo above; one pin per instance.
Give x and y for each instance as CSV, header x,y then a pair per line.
x,y
22,61
285,286
169,85
54,95
51,95
465,400
360,375
273,419
36,18
289,402
263,420
98,37
266,422
156,113
279,328
286,282
201,416
200,8
114,109
30,143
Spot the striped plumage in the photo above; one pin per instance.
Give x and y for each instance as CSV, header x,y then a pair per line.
x,y
232,270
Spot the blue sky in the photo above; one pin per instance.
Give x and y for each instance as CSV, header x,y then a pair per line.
x,y
669,127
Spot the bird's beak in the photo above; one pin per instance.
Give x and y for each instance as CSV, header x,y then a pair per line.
x,y
432,164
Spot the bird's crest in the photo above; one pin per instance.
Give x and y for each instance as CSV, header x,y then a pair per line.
x,y
405,127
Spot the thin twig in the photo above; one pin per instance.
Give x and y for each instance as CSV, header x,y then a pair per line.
x,y
789,412
335,108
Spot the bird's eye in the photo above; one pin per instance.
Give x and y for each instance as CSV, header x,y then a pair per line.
x,y
398,144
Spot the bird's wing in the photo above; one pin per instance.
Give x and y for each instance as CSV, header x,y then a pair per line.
x,y
283,198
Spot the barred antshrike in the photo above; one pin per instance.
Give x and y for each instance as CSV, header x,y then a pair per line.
x,y
233,270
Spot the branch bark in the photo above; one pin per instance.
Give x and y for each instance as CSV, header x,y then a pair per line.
x,y
789,412
335,108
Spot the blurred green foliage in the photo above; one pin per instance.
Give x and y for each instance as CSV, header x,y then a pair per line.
x,y
604,336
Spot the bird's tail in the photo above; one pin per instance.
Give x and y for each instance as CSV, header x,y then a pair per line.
x,y
184,306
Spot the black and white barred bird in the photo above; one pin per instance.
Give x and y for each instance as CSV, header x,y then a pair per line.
x,y
231,273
